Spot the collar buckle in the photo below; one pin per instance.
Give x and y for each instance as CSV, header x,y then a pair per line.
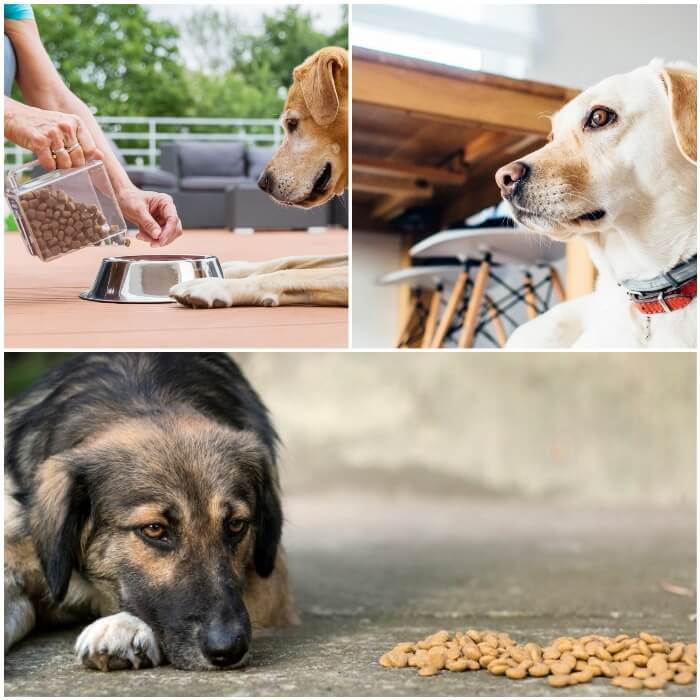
x,y
663,303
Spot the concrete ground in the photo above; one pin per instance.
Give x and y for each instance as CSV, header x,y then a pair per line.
x,y
369,572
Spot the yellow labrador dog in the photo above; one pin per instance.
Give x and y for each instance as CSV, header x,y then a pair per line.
x,y
310,167
620,170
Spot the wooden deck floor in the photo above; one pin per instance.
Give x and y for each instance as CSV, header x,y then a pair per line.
x,y
43,310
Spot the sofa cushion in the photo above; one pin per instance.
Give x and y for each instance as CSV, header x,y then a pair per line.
x,y
212,183
258,157
217,159
151,178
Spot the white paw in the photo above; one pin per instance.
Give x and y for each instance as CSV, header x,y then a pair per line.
x,y
203,293
116,642
239,268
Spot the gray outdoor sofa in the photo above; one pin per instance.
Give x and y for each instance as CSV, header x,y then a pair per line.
x,y
216,187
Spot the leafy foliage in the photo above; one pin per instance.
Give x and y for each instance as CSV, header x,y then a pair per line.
x,y
121,62
115,58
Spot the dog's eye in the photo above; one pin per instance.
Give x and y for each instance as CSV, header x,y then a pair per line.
x,y
236,527
600,117
154,531
291,125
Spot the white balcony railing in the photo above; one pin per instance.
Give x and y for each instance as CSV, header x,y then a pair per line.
x,y
138,138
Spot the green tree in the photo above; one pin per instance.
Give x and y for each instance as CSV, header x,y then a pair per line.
x,y
115,58
246,74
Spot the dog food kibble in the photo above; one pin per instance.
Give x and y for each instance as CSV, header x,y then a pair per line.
x,y
61,224
631,663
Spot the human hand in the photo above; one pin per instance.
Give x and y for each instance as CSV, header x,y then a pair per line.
x,y
155,214
58,140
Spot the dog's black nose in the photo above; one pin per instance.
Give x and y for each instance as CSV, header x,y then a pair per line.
x,y
225,644
265,181
509,176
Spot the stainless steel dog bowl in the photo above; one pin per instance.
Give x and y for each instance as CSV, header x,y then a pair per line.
x,y
146,279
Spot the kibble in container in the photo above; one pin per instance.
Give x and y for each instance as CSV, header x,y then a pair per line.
x,y
64,210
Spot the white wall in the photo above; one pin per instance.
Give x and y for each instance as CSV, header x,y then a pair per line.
x,y
374,308
582,44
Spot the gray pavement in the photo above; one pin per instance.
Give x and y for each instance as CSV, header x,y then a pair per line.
x,y
371,571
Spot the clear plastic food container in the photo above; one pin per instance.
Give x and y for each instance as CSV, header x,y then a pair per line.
x,y
64,210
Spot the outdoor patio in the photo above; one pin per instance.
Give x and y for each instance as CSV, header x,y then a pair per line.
x,y
43,309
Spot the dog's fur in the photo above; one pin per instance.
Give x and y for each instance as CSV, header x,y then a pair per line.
x,y
103,447
641,172
310,167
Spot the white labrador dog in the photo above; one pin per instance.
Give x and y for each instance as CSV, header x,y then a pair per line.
x,y
620,170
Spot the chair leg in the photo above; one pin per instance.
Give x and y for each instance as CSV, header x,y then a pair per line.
x,y
412,309
431,321
557,286
466,337
450,310
497,322
529,297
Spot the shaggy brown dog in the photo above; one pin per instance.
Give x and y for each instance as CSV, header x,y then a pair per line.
x,y
141,489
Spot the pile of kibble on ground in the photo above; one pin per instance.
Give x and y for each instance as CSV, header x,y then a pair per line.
x,y
633,663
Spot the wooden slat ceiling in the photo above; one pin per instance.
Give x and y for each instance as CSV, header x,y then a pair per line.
x,y
415,144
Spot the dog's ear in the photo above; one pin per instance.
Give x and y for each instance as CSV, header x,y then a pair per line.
x,y
682,89
318,77
59,510
268,528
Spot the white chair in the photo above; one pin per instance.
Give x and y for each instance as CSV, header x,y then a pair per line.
x,y
487,249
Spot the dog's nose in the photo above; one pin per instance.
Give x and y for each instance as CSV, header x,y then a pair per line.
x,y
265,181
510,175
225,644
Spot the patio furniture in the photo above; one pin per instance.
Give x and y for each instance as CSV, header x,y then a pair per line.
x,y
248,207
419,327
471,306
146,178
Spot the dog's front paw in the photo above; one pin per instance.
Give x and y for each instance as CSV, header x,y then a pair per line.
x,y
117,642
203,293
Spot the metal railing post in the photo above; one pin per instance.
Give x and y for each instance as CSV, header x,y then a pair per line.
x,y
152,153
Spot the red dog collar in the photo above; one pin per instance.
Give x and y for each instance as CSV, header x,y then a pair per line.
x,y
671,301
667,292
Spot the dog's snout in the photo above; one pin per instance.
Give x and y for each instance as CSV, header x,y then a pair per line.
x,y
510,176
265,181
225,643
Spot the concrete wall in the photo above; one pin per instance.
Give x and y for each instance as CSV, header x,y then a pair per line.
x,y
576,428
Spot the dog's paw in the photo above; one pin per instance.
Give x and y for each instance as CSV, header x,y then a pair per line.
x,y
117,642
203,293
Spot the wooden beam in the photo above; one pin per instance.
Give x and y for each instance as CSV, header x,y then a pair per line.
x,y
391,206
477,101
484,144
468,201
408,171
380,185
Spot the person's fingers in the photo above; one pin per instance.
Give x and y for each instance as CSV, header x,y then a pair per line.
x,y
147,224
170,221
41,148
87,143
69,127
60,153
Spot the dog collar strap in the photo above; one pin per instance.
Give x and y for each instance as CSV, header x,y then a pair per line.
x,y
667,292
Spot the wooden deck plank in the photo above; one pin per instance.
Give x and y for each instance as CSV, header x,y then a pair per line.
x,y
43,310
